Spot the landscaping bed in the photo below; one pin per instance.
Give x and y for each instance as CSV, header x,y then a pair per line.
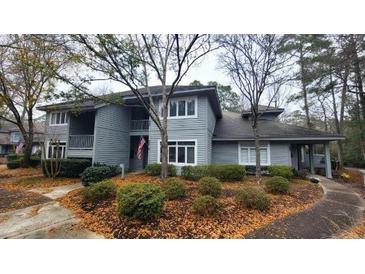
x,y
178,220
37,182
6,173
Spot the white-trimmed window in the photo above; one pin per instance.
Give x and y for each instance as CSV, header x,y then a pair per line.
x,y
58,118
15,137
56,150
182,152
247,155
183,108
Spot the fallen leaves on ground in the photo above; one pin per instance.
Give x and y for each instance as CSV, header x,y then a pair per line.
x,y
38,182
18,172
356,232
178,219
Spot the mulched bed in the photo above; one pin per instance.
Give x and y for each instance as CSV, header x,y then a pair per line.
x,y
18,172
178,219
37,182
16,199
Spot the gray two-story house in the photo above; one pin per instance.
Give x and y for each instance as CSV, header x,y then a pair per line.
x,y
199,133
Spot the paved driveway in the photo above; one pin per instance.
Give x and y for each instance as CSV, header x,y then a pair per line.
x,y
47,220
338,210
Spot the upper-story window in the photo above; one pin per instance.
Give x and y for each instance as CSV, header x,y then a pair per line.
x,y
15,137
183,108
58,118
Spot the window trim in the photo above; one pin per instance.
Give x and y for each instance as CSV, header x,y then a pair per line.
x,y
176,99
47,149
182,140
12,137
249,147
55,113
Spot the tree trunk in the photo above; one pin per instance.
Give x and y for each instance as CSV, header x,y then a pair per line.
x,y
164,140
337,124
257,149
359,83
28,142
304,89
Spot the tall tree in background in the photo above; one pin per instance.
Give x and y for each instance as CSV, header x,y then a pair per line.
x,y
27,75
303,48
229,100
136,60
253,63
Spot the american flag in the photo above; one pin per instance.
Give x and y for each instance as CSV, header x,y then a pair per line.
x,y
140,147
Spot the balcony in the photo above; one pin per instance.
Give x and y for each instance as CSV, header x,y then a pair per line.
x,y
81,142
139,125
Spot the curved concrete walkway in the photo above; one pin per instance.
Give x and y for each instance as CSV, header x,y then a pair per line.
x,y
338,210
46,220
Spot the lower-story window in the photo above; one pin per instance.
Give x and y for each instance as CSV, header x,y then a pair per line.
x,y
247,155
56,150
180,152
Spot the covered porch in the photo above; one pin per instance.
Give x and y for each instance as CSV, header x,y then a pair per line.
x,y
313,156
81,134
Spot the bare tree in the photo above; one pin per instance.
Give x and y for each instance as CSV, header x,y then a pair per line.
x,y
27,65
253,63
134,60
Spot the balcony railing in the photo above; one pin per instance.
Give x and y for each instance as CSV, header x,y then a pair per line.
x,y
81,141
139,125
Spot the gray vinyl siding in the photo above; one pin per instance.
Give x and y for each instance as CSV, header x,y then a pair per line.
x,y
111,140
280,153
211,125
186,129
227,152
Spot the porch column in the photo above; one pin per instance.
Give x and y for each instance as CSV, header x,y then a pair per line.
x,y
327,158
311,158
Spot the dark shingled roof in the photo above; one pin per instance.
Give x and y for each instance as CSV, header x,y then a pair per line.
x,y
263,109
233,127
129,97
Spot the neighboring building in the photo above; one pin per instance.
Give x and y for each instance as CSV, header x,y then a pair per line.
x,y
10,137
199,133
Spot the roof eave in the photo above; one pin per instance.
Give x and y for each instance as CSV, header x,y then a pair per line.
x,y
329,138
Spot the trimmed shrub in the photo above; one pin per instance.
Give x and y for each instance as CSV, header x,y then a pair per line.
x,y
70,168
194,172
227,172
206,205
13,164
13,157
303,173
251,170
155,169
140,201
252,197
210,186
99,191
281,170
277,184
94,174
35,161
223,172
174,189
